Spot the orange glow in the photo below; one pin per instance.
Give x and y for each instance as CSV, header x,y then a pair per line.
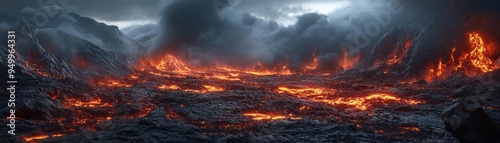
x,y
30,64
80,61
28,139
479,54
171,63
305,92
364,102
96,102
230,77
213,88
266,73
207,89
414,129
257,70
473,62
438,72
314,64
134,76
361,103
261,116
397,55
347,61
113,83
169,87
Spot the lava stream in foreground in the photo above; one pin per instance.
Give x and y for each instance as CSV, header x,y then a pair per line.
x,y
310,97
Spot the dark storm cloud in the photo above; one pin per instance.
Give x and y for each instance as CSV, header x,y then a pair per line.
x,y
194,30
109,10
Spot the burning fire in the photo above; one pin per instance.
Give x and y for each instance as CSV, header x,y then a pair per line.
x,y
397,55
348,61
171,63
314,64
473,62
479,54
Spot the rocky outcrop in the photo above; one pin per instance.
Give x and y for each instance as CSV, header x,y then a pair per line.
x,y
467,121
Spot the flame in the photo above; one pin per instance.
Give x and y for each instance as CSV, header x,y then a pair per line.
x,y
397,55
475,60
437,72
347,62
314,64
171,63
479,54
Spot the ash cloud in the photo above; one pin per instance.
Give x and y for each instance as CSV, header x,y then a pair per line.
x,y
193,30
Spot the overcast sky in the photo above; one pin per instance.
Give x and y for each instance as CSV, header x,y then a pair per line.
x,y
128,12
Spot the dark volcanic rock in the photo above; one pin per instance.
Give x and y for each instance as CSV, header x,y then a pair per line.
x,y
467,121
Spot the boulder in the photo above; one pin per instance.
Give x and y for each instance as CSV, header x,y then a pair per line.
x,y
467,121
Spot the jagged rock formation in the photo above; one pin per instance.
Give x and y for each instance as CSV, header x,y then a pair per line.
x,y
470,123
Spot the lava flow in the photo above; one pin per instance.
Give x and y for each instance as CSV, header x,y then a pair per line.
x,y
261,116
473,61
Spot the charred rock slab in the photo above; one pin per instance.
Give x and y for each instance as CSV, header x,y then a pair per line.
x,y
467,121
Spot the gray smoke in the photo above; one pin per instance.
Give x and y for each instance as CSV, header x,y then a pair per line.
x,y
195,31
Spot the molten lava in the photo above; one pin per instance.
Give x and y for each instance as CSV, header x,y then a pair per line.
x,y
91,103
397,55
472,62
479,54
39,137
361,103
206,89
113,83
169,87
171,63
305,92
261,116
